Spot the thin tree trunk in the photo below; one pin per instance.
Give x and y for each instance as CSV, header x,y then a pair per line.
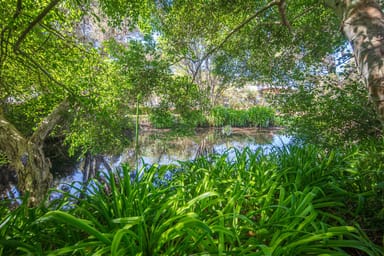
x,y
363,25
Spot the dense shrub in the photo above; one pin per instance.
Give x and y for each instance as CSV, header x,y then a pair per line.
x,y
261,116
194,118
220,116
161,118
258,116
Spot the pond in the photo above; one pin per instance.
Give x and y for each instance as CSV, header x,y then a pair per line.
x,y
164,147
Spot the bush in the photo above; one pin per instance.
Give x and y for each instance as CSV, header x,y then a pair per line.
x,y
194,118
220,116
261,116
258,116
161,118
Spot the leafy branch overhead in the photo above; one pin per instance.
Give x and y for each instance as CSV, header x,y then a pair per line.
x,y
34,22
246,37
282,10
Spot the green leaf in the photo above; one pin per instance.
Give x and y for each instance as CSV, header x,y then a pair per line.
x,y
68,219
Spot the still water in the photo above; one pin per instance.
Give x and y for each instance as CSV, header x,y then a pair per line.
x,y
161,147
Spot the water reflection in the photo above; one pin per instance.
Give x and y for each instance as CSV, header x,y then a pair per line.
x,y
162,149
157,147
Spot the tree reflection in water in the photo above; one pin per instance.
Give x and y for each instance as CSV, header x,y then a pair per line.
x,y
161,147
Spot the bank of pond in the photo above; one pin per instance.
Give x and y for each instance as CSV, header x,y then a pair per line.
x,y
286,200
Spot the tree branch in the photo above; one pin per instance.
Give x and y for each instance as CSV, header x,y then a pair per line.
x,y
31,25
66,39
49,123
230,34
19,6
283,15
46,72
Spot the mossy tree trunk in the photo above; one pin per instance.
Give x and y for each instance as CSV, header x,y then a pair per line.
x,y
26,155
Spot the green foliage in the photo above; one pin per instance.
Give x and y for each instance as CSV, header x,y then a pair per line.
x,y
103,124
119,11
137,69
295,200
330,111
186,102
245,42
182,95
161,118
28,113
49,65
37,66
258,116
55,59
97,134
261,116
220,116
366,167
194,118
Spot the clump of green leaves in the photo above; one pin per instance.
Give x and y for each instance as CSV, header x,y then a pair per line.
x,y
331,112
258,116
27,112
162,118
194,118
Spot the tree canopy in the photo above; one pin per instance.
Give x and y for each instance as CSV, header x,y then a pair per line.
x,y
251,39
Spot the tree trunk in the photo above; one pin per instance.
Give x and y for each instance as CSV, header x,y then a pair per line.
x,y
26,155
363,25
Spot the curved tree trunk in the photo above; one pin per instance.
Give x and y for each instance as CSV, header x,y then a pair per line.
x,y
27,157
32,168
363,25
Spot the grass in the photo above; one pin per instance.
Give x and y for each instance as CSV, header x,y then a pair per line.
x,y
293,201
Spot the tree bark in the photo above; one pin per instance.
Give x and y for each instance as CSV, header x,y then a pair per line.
x,y
26,155
363,25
